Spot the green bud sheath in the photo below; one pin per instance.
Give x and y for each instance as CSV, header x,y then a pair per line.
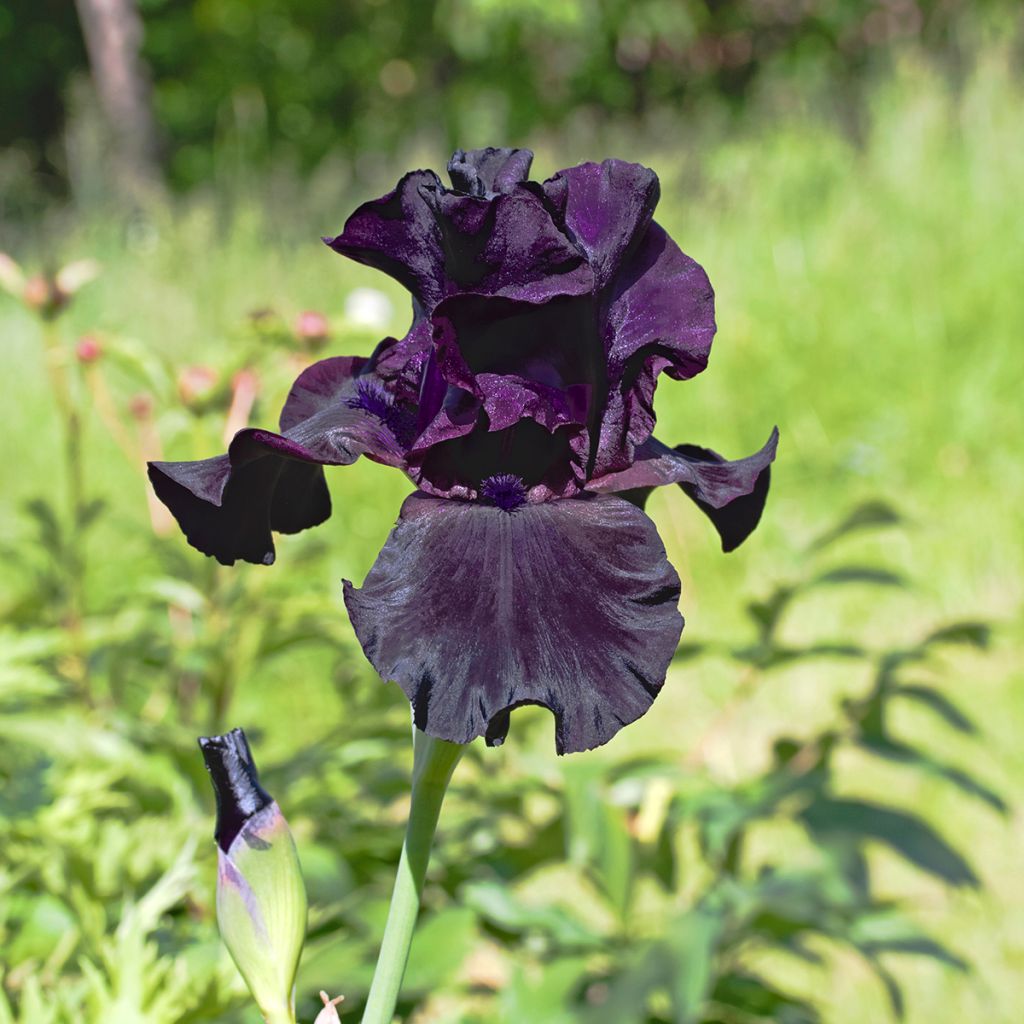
x,y
261,899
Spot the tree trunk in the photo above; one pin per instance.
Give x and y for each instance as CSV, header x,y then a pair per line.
x,y
113,37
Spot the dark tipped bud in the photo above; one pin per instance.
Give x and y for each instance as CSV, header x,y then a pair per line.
x,y
261,899
236,783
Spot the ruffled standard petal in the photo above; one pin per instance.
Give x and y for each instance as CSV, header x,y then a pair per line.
x,y
554,343
490,171
659,317
437,243
398,234
228,506
607,208
731,494
475,611
505,245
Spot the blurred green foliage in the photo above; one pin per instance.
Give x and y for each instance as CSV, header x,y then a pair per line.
x,y
811,824
299,81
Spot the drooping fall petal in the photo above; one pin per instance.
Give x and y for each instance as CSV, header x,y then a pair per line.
x,y
474,611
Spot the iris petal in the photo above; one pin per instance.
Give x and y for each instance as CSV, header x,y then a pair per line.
x,y
227,506
506,245
489,171
607,208
731,494
474,611
660,316
398,235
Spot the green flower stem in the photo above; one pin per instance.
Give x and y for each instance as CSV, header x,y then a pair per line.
x,y
67,401
433,764
284,1016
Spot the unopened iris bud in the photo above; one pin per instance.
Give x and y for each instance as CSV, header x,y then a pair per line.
x,y
261,899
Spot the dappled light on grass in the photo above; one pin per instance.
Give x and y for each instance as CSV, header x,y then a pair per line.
x,y
763,852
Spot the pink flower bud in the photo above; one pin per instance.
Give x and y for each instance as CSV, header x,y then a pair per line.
x,y
141,407
196,384
88,349
312,328
38,293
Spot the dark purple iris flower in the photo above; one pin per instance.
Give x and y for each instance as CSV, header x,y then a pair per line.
x,y
520,403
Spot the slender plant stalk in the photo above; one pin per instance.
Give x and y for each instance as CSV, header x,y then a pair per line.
x,y
71,421
433,764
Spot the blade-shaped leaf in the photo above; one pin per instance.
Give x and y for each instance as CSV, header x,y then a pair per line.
x,y
938,703
904,754
906,834
871,515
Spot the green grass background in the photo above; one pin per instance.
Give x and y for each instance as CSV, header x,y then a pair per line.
x,y
870,302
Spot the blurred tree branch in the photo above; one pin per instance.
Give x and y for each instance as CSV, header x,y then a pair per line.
x,y
113,34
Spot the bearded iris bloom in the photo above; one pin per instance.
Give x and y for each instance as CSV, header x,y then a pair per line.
x,y
520,403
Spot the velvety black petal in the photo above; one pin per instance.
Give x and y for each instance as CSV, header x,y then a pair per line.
x,y
227,506
225,509
439,243
236,783
554,343
507,245
474,611
607,208
489,172
731,494
659,316
398,234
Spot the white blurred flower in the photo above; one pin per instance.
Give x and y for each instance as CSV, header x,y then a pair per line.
x,y
71,277
12,279
367,307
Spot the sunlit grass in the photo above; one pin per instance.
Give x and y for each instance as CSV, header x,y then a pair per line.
x,y
869,302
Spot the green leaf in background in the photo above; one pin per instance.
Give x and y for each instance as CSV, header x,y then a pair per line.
x,y
969,634
905,833
596,834
544,992
498,905
937,702
752,996
871,515
442,943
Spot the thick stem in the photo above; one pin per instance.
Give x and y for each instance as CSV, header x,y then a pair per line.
x,y
279,1017
433,764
